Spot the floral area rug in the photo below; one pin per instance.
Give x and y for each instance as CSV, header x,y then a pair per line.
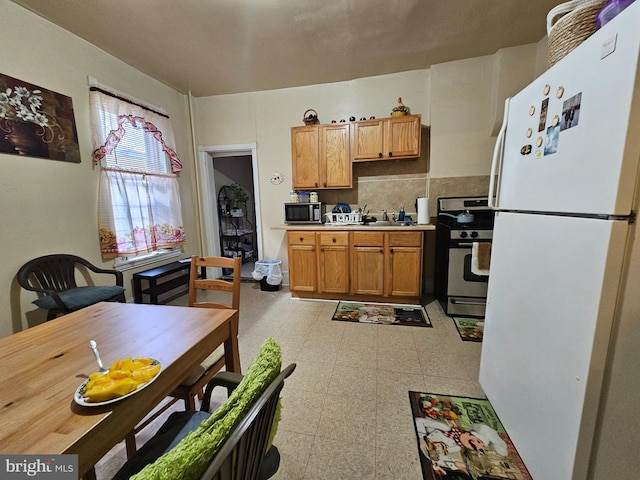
x,y
470,329
462,438
386,313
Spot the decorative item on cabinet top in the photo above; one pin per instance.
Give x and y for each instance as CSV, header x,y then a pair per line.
x,y
310,117
400,109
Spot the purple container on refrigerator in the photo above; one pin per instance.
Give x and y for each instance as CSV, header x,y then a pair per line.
x,y
561,344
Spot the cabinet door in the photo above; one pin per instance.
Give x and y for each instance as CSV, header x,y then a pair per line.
x,y
302,261
335,160
404,264
305,157
368,140
403,136
367,270
333,262
405,271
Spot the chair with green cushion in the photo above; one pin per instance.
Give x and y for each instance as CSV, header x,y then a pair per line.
x,y
232,443
53,277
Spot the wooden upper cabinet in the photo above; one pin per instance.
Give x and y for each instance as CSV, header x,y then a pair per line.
x,y
386,139
368,139
321,156
306,157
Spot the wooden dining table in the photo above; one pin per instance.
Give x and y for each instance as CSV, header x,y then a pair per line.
x,y
43,366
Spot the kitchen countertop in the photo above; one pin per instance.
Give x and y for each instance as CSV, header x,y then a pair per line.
x,y
324,226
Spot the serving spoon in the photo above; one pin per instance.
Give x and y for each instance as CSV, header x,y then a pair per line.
x,y
94,347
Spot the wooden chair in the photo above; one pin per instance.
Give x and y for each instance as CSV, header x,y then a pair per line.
x,y
53,277
193,385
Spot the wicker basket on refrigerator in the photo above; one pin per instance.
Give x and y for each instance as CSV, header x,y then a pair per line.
x,y
569,24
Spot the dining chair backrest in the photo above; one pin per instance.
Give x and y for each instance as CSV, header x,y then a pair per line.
x,y
201,285
53,277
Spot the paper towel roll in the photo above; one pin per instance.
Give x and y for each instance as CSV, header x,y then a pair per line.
x,y
423,210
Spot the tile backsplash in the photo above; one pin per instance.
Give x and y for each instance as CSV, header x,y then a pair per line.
x,y
391,191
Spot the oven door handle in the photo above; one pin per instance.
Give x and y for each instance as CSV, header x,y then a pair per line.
x,y
455,301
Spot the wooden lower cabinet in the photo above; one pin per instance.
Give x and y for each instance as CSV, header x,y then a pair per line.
x,y
359,265
367,263
404,264
333,262
303,276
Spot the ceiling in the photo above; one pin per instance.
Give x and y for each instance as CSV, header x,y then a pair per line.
x,y
212,47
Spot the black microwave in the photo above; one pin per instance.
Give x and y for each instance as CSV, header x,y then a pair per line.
x,y
312,212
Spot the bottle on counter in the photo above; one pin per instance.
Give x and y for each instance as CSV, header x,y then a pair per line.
x,y
293,196
313,197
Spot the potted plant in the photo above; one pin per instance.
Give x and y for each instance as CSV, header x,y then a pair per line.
x,y
239,198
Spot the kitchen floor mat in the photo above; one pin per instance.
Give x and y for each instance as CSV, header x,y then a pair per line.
x,y
462,438
384,313
470,329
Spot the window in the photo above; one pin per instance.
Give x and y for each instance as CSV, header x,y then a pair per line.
x,y
139,202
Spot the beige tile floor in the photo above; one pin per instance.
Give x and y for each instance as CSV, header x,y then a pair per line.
x,y
346,412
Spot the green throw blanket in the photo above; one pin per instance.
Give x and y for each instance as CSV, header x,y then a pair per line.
x,y
191,457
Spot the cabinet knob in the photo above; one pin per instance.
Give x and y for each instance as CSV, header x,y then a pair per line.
x,y
391,250
391,154
334,240
380,155
301,239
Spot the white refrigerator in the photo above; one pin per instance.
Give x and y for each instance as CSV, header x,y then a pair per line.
x,y
561,350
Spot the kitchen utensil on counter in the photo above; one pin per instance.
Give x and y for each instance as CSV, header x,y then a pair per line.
x,y
341,208
464,217
94,347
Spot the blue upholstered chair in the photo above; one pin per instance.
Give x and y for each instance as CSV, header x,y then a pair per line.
x,y
53,277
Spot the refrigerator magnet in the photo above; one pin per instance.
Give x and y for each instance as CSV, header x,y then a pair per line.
x,y
571,112
552,140
529,132
555,121
532,110
542,123
526,150
560,92
547,89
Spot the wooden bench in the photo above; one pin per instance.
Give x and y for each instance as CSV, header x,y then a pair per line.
x,y
179,276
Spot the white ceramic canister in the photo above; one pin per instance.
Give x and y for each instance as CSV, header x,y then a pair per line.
x,y
293,196
313,197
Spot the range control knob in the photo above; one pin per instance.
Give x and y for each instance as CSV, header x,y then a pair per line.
x,y
474,234
463,234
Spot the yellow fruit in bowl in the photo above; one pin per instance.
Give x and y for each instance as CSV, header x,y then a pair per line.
x,y
144,374
111,389
124,376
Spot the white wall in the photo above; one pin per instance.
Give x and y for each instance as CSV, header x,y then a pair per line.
x,y
50,206
454,99
266,118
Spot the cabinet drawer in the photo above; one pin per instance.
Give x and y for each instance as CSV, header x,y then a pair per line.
x,y
367,239
301,238
405,239
334,238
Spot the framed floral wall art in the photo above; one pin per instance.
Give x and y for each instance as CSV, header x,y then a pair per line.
x,y
36,122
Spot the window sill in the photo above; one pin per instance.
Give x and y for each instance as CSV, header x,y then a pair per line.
x,y
147,259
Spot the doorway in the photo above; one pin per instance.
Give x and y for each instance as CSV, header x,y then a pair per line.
x,y
220,167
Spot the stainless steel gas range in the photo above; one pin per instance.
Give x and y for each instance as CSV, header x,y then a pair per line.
x,y
462,221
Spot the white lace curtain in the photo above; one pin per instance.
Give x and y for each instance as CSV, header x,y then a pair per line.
x,y
139,202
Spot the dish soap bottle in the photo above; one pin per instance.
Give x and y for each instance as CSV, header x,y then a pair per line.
x,y
401,214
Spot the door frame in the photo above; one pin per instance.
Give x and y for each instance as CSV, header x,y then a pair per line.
x,y
209,220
